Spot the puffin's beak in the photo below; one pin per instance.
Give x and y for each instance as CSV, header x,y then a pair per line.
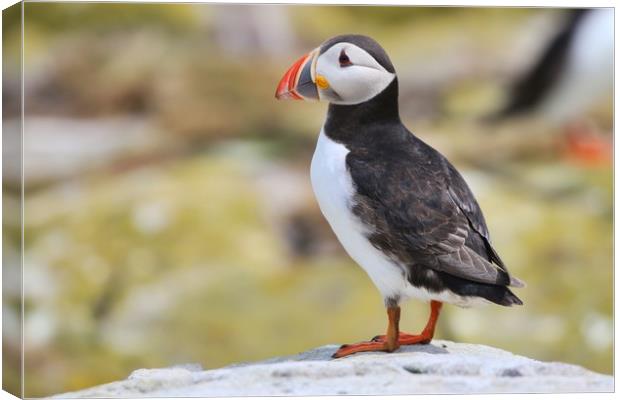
x,y
298,83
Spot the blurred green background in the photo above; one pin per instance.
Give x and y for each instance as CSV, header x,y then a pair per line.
x,y
169,216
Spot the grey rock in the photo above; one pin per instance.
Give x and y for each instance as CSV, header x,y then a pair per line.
x,y
439,367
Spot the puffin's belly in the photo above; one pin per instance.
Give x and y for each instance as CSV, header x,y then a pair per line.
x,y
333,189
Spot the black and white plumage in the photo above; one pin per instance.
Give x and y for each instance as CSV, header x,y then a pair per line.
x,y
402,211
573,72
399,208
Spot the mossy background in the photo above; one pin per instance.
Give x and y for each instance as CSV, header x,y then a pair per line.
x,y
168,213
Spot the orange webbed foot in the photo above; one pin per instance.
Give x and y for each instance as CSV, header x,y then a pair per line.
x,y
373,345
405,339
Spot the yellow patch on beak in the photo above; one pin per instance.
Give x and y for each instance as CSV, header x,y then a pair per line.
x,y
321,82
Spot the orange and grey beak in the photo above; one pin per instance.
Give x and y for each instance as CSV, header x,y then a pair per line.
x,y
298,83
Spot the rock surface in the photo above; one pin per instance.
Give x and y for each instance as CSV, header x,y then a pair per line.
x,y
440,367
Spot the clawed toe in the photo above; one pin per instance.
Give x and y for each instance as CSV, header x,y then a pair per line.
x,y
405,339
348,349
341,350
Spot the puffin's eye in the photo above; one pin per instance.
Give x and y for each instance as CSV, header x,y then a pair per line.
x,y
344,59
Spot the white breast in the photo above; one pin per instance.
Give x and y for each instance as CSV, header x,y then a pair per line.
x,y
334,190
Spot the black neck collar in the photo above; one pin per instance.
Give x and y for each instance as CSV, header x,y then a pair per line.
x,y
350,123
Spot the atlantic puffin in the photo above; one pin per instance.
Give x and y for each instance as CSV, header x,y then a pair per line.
x,y
574,70
572,73
398,207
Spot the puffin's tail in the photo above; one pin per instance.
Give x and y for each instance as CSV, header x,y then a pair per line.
x,y
516,282
509,299
499,294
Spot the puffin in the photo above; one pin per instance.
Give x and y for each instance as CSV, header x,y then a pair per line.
x,y
574,70
398,207
572,73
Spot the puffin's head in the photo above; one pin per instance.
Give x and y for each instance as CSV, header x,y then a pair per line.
x,y
347,69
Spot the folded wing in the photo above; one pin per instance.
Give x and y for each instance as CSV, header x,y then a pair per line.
x,y
424,213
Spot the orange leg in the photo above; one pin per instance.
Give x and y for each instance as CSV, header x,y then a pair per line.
x,y
427,333
394,339
389,342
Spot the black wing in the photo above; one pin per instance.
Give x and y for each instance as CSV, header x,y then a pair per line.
x,y
424,213
466,202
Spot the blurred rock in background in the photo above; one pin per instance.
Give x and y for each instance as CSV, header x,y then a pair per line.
x,y
169,216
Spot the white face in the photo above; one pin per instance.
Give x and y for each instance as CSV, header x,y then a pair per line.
x,y
351,75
